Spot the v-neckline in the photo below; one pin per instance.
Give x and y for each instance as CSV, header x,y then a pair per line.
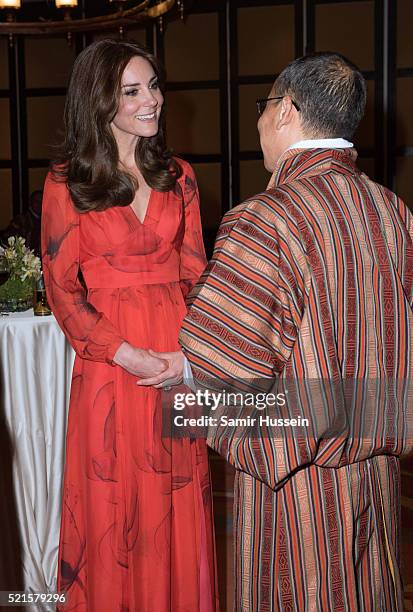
x,y
145,217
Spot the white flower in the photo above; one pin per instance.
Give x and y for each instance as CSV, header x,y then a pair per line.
x,y
10,253
19,260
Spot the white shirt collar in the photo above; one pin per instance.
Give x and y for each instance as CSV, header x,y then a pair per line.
x,y
322,143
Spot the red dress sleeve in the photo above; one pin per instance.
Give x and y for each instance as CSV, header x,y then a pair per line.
x,y
90,332
193,259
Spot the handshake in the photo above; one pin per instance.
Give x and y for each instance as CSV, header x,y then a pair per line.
x,y
159,370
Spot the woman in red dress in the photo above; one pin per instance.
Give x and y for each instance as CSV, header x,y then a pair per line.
x,y
136,532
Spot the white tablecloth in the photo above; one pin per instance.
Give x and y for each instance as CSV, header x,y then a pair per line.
x,y
36,365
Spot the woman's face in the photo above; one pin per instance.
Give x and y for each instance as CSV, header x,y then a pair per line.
x,y
140,102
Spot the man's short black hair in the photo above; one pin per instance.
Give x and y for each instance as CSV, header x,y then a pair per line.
x,y
330,92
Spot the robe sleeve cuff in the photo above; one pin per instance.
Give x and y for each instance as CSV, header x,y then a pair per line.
x,y
112,350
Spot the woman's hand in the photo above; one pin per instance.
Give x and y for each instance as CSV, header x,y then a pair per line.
x,y
171,376
140,362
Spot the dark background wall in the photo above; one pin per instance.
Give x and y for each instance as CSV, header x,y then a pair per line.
x,y
219,61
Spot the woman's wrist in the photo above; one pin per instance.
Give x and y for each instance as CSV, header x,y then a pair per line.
x,y
125,354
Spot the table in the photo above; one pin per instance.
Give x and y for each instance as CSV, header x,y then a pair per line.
x,y
36,364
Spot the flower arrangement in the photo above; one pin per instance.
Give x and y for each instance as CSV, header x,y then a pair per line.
x,y
23,268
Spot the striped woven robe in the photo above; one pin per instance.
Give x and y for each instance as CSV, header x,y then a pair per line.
x,y
312,279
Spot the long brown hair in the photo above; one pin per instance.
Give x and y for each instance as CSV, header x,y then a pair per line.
x,y
88,159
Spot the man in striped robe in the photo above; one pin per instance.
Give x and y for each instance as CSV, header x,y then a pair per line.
x,y
312,280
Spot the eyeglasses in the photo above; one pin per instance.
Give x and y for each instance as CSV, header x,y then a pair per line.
x,y
262,103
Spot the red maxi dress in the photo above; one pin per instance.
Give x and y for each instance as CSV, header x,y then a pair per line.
x,y
136,530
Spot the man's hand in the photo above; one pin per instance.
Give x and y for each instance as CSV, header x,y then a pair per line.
x,y
171,376
140,362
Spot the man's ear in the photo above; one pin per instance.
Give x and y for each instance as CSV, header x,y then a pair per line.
x,y
286,112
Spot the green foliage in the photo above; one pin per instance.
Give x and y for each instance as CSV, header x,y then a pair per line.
x,y
16,289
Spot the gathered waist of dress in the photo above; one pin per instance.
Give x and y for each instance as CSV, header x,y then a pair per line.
x,y
103,274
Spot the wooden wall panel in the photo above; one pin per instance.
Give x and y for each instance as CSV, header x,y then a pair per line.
x,y
209,183
36,178
366,164
192,48
5,149
265,39
404,115
48,62
348,28
137,35
6,206
404,33
4,68
193,121
44,125
248,116
365,136
404,182
253,177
